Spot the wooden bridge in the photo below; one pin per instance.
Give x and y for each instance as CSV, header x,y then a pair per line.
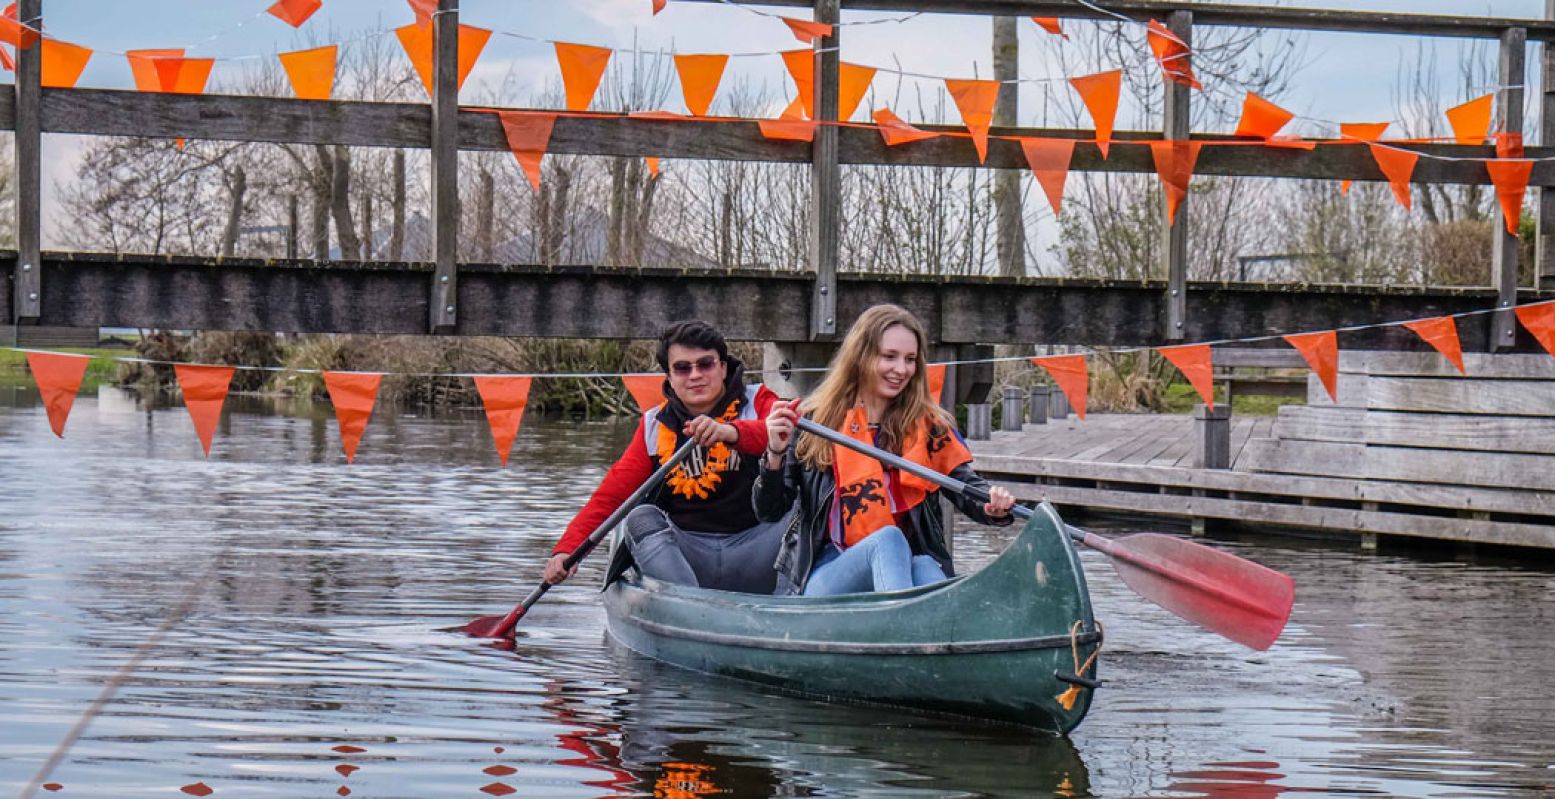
x,y
804,304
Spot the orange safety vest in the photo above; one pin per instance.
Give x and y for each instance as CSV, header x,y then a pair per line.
x,y
865,501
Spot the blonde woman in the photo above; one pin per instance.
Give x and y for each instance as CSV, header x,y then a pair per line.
x,y
863,526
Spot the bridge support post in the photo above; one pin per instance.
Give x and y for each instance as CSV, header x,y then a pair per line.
x,y
825,178
785,366
1505,246
445,168
27,283
1544,251
1175,252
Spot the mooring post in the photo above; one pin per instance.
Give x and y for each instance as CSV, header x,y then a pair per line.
x,y
1014,409
1212,433
1057,405
1038,407
825,177
445,167
27,282
979,421
1175,127
1505,247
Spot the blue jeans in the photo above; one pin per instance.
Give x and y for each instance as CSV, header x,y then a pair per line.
x,y
881,562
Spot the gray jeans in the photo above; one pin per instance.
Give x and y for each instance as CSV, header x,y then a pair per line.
x,y
740,561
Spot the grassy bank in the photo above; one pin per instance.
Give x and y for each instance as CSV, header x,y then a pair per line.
x,y
101,369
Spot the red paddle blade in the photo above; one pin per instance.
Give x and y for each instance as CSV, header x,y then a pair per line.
x,y
1237,598
493,626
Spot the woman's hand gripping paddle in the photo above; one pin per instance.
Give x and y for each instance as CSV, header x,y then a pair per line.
x,y
1241,600
502,626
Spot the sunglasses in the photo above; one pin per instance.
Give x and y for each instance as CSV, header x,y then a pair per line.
x,y
706,363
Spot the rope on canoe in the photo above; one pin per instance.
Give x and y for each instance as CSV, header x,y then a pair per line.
x,y
1070,694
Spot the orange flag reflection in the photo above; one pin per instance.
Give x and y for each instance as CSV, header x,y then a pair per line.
x,y
505,398
353,395
975,100
1071,376
1321,352
205,389
1441,333
59,378
1100,92
1193,360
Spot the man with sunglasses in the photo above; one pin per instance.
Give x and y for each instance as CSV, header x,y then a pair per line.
x,y
699,528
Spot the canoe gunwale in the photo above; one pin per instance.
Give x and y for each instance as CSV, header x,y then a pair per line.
x,y
870,648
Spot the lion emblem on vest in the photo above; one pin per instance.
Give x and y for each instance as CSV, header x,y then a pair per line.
x,y
856,497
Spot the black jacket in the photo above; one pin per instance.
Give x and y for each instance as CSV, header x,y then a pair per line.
x,y
776,490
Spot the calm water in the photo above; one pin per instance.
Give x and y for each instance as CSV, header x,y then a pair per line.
x,y
301,605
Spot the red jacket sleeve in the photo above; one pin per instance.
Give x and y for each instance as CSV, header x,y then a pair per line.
x,y
753,432
627,475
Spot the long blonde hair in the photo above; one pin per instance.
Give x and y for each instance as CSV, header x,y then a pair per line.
x,y
852,369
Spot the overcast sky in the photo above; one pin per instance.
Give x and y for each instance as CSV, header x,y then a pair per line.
x,y
1347,76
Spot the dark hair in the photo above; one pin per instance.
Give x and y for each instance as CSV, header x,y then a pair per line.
x,y
690,333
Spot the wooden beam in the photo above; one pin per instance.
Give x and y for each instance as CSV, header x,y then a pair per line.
x,y
825,178
443,307
1174,234
1505,247
27,274
1544,252
1240,16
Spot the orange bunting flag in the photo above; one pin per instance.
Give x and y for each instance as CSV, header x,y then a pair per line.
x,y
936,375
1397,165
423,9
1174,162
647,389
895,131
1172,53
1049,161
14,33
653,165
312,72
1511,180
1471,121
205,389
975,99
1441,333
582,67
805,30
6,61
528,135
1071,376
168,71
1321,352
505,398
699,77
1261,118
59,378
353,395
1359,132
1100,92
63,63
1193,360
852,84
294,12
1509,144
1539,319
418,43
658,5
801,67
1051,25
789,126
143,67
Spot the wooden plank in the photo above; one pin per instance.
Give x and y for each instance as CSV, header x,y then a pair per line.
x,y
1449,497
407,125
1174,229
1446,467
1312,517
1240,357
1506,247
1449,395
1243,16
27,274
1436,430
1241,433
825,178
444,311
1431,364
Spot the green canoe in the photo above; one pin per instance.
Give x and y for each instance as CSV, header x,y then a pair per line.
x,y
999,644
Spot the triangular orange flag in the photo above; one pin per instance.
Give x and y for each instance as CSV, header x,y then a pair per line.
x,y
1049,161
14,33
975,100
936,375
1471,121
1511,180
505,398
1539,319
294,12
658,5
312,72
167,70
418,44
699,77
1321,352
1051,25
1261,118
423,9
582,67
805,30
1172,54
6,61
143,67
1359,132
653,165
801,67
528,135
1509,144
789,126
1397,165
647,389
1069,372
895,131
59,378
1441,333
205,389
1174,162
353,395
1193,360
852,84
63,63
1099,92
